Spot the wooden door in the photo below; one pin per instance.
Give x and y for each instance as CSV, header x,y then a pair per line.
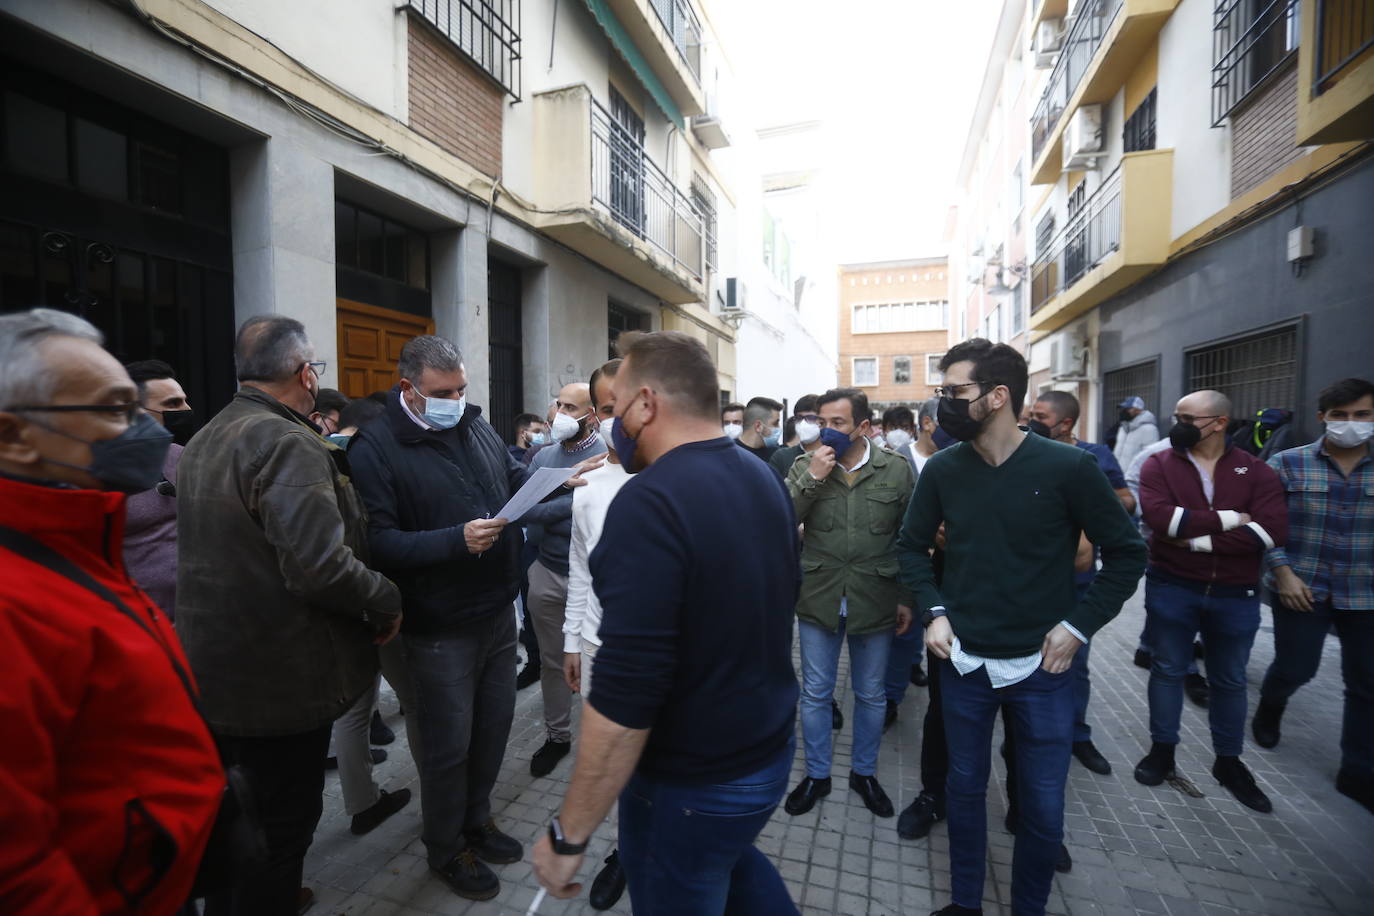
x,y
370,341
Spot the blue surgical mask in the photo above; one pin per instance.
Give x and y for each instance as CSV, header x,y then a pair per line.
x,y
444,413
772,439
836,440
540,439
340,441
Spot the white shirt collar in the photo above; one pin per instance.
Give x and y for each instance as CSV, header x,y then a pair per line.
x,y
868,453
419,421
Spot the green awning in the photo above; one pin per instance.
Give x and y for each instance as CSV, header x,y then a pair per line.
x,y
621,41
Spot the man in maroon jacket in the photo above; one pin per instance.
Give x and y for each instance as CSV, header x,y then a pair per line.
x,y
1213,510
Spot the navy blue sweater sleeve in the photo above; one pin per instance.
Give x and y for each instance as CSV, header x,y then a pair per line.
x,y
392,547
639,571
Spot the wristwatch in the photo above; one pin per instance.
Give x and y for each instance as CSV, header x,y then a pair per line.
x,y
929,616
560,843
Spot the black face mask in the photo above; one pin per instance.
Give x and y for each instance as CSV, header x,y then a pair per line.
x,y
1125,415
953,416
1040,429
181,424
1184,435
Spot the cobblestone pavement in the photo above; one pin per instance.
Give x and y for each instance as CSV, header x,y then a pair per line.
x,y
1135,849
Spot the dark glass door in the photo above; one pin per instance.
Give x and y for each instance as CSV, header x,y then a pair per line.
x,y
505,347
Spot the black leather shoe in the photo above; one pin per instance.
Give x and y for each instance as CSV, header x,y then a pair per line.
x,y
1265,726
1090,757
489,844
804,797
955,909
1157,766
608,884
528,675
385,806
1349,784
379,732
890,715
1063,863
547,757
1235,777
378,756
836,717
1143,659
918,676
1195,686
918,817
468,877
875,799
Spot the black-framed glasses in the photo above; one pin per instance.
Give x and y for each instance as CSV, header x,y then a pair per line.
x,y
952,391
130,410
1190,420
316,366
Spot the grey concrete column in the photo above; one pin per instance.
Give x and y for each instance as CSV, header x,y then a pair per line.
x,y
458,269
282,210
534,328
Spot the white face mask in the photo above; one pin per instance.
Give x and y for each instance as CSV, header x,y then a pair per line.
x,y
564,427
734,430
898,439
605,428
807,431
1349,433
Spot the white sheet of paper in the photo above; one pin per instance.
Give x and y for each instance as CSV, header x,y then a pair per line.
x,y
541,483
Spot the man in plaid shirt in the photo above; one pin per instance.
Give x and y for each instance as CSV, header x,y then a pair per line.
x,y
1324,575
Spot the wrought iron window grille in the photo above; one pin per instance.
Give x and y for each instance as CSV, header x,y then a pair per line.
x,y
487,32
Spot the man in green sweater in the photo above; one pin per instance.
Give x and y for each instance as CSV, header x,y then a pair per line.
x,y
1006,621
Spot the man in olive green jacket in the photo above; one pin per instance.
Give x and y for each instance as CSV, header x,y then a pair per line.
x,y
851,514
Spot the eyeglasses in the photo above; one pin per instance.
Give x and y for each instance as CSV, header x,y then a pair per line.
x,y
1189,420
130,410
316,367
952,391
808,418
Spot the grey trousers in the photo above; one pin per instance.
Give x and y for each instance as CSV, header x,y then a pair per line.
x,y
351,731
547,599
464,705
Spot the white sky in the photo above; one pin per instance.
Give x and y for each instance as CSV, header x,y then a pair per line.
x,y
894,81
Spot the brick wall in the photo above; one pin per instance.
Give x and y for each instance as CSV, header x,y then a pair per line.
x,y
452,102
1263,133
911,281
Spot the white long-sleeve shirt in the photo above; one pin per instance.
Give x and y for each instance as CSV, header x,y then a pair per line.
x,y
582,615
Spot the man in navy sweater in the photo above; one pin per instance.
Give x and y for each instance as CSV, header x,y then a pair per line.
x,y
693,706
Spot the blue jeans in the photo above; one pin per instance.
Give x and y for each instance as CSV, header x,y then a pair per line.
x,y
1298,639
689,850
820,658
1041,713
1228,625
906,650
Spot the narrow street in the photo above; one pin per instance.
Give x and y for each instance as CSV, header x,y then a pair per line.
x,y
1135,849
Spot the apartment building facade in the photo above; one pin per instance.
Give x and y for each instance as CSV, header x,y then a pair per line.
x,y
1200,173
529,180
893,328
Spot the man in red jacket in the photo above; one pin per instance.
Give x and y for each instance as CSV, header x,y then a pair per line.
x,y
1213,511
109,779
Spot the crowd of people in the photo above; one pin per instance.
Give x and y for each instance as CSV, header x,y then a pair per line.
x,y
198,613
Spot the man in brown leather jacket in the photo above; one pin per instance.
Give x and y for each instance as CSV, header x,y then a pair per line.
x,y
277,610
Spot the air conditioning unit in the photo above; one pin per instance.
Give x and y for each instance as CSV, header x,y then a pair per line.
x,y
1068,358
734,295
1049,38
1083,138
976,271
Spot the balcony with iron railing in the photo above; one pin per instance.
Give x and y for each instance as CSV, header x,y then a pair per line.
x,y
669,35
1106,40
1336,71
599,193
1119,234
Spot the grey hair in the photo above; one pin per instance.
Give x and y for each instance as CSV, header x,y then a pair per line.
x,y
428,351
928,409
25,378
270,348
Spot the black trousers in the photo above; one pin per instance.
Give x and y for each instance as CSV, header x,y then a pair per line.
x,y
286,774
934,748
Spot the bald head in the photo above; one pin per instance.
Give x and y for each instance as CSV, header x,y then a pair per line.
x,y
1205,403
